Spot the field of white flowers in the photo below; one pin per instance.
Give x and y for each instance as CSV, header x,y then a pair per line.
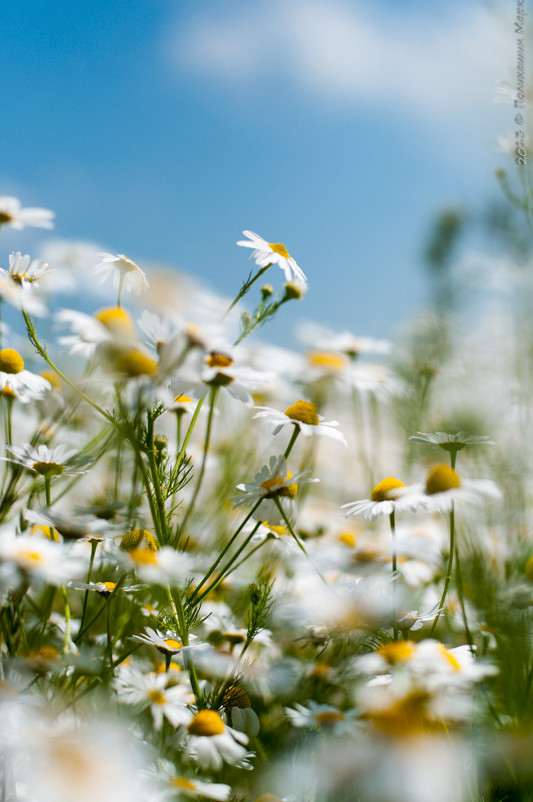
x,y
235,571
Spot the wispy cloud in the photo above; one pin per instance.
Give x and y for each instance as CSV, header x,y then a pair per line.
x,y
335,52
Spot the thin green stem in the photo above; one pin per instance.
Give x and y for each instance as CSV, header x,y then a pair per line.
x,y
229,567
292,441
214,392
94,546
244,289
297,539
394,606
66,644
448,570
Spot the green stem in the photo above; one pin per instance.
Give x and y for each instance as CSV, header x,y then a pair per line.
x,y
244,289
394,610
229,567
297,539
214,392
292,441
66,644
94,546
448,570
179,617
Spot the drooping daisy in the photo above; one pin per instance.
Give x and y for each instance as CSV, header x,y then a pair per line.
x,y
444,486
211,742
189,786
13,377
387,496
127,276
273,253
304,415
451,442
169,645
25,271
13,215
48,462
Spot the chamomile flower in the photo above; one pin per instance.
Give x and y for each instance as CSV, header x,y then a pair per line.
x,y
304,415
443,487
12,214
323,717
36,556
22,383
25,271
168,645
191,787
110,324
273,253
451,442
127,276
387,497
154,691
16,295
211,742
48,462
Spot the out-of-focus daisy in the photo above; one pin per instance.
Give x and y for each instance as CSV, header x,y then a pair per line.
x,y
169,645
154,691
104,589
217,369
344,342
127,276
272,483
211,742
324,717
17,296
22,383
79,526
48,462
451,442
24,270
190,787
387,497
273,253
304,415
12,214
444,486
109,324
32,555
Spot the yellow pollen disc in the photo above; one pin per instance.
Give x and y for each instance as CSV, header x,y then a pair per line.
x,y
304,411
143,556
288,491
449,657
182,399
7,392
441,478
138,539
173,644
10,361
157,698
279,248
162,669
235,697
116,320
348,538
384,491
206,723
397,651
219,360
278,530
44,653
327,359
25,555
51,378
182,782
48,468
272,484
234,638
329,717
109,586
135,363
46,531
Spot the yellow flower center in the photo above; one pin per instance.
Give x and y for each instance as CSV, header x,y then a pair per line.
x,y
143,556
234,637
441,478
278,530
397,651
219,360
173,644
272,484
206,723
280,249
183,783
304,411
449,657
28,556
157,698
116,320
48,468
384,491
45,531
51,378
5,218
135,363
276,487
10,361
105,589
235,697
327,359
348,538
182,399
138,539
7,392
328,718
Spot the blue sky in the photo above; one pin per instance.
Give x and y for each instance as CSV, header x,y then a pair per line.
x,y
162,128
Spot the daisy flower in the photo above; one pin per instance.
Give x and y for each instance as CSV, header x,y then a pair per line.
x,y
13,215
324,717
273,253
36,556
24,270
46,461
444,486
304,415
191,787
14,294
109,324
387,497
153,691
168,645
211,742
273,482
126,274
23,384
451,442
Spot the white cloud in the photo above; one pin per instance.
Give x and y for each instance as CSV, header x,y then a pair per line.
x,y
348,53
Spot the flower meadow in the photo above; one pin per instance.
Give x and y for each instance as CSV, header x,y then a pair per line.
x,y
237,571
